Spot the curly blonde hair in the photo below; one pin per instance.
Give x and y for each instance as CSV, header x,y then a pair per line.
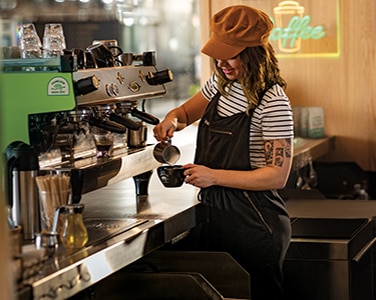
x,y
261,71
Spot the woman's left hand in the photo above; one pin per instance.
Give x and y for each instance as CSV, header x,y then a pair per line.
x,y
198,175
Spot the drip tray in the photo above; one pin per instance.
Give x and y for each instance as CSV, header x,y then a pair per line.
x,y
102,229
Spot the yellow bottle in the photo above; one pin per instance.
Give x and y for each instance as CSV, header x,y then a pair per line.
x,y
74,233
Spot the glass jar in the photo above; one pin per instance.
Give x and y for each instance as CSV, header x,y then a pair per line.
x,y
74,233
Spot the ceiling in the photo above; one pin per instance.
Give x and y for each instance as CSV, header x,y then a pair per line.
x,y
59,10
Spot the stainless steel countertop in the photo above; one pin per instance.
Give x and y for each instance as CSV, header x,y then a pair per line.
x,y
119,200
172,206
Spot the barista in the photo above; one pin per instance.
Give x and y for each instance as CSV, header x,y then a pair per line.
x,y
244,147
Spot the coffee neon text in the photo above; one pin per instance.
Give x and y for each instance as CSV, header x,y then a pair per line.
x,y
298,28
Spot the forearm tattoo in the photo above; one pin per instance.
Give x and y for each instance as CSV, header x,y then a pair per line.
x,y
277,151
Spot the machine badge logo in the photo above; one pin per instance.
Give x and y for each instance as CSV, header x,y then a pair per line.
x,y
58,86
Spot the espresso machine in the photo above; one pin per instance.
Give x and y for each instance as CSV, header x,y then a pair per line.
x,y
52,113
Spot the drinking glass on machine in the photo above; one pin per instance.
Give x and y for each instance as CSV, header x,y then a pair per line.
x,y
54,192
53,40
104,141
29,41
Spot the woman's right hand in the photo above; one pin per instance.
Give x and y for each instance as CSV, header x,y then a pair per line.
x,y
165,129
181,117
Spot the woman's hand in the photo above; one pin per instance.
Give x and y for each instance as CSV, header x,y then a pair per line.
x,y
165,129
181,117
198,175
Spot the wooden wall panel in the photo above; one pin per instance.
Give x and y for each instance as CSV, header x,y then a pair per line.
x,y
343,86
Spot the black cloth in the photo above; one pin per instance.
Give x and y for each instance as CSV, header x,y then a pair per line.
x,y
252,226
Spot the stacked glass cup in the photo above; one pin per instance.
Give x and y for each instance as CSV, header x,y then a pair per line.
x,y
30,45
53,40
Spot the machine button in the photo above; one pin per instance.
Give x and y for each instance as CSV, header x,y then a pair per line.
x,y
87,85
109,90
159,77
112,90
134,86
115,90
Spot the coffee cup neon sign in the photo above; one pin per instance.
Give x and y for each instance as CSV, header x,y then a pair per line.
x,y
289,38
301,29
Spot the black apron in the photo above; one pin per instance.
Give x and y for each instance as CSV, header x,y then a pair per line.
x,y
253,226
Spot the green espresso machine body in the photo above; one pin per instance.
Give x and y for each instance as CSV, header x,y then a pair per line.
x,y
26,93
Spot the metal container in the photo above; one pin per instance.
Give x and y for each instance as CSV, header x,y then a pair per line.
x,y
137,138
23,167
166,153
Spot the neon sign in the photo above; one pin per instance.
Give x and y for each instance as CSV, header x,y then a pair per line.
x,y
296,30
299,27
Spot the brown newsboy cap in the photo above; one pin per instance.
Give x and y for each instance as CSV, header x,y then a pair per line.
x,y
235,28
